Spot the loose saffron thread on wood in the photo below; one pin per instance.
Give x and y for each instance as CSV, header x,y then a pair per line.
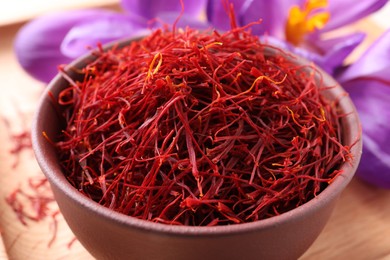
x,y
21,141
35,205
199,128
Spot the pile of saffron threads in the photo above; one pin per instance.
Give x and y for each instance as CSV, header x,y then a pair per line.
x,y
199,128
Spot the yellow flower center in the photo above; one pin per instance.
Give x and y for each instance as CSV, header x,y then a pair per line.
x,y
302,21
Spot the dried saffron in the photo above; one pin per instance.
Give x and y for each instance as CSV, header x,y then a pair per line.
x,y
32,202
199,128
21,141
35,205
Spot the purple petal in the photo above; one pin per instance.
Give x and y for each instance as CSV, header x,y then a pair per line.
x,y
274,16
348,11
309,55
184,21
150,9
217,12
37,44
329,54
372,100
105,28
375,62
334,51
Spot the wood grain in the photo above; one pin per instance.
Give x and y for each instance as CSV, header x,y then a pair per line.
x,y
359,227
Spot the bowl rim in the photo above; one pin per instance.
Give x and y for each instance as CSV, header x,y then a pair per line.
x,y
54,174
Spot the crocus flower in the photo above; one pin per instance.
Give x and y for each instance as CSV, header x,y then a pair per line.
x,y
368,83
58,38
301,26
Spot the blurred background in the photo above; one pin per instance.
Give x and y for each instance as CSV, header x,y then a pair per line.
x,y
17,11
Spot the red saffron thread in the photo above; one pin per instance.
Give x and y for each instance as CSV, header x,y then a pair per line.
x,y
21,141
71,242
35,205
199,128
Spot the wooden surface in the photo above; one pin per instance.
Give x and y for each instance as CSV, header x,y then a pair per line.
x,y
358,229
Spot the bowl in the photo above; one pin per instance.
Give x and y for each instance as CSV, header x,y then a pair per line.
x,y
110,235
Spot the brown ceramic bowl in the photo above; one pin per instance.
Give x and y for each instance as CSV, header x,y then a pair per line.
x,y
110,235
